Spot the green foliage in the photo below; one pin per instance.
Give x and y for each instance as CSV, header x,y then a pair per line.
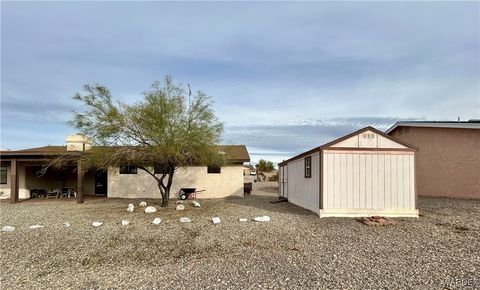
x,y
264,165
168,127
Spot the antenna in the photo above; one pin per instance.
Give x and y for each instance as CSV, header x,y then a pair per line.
x,y
458,119
189,94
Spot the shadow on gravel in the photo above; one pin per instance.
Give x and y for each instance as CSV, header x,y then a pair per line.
x,y
263,202
266,188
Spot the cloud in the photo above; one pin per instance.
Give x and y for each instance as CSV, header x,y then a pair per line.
x,y
285,76
282,141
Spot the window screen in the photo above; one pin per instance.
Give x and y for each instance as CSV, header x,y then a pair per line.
x,y
3,174
213,169
308,167
128,169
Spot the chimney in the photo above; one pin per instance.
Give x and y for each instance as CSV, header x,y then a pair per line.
x,y
78,142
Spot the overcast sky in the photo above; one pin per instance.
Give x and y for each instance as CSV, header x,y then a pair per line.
x,y
285,77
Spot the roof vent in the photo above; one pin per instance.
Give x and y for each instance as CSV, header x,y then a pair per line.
x,y
78,142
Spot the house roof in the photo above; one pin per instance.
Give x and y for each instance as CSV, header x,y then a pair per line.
x,y
250,166
233,153
329,144
236,153
471,124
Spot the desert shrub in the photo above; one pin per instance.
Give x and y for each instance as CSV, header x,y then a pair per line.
x,y
264,165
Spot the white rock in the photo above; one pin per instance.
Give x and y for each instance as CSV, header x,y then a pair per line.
x,y
185,220
66,225
156,221
196,203
36,226
125,223
179,202
242,220
8,229
262,218
150,209
180,207
143,204
130,207
97,224
216,220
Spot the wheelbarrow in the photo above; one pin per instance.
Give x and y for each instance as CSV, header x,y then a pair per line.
x,y
188,193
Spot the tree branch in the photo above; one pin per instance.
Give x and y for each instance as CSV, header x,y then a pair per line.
x,y
151,174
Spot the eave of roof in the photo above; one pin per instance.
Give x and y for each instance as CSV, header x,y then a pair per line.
x,y
234,153
437,124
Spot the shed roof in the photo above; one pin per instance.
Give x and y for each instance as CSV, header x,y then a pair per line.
x,y
329,144
233,153
471,124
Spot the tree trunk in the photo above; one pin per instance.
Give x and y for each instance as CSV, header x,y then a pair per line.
x,y
166,197
166,189
164,194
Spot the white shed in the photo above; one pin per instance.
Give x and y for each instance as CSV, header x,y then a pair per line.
x,y
364,173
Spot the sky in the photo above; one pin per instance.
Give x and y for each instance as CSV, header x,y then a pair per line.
x,y
285,76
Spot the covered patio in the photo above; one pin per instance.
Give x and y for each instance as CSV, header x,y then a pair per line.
x,y
25,177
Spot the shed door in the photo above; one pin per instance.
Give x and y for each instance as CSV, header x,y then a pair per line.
x,y
284,181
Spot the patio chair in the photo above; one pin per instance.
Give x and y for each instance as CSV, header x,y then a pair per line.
x,y
68,192
56,191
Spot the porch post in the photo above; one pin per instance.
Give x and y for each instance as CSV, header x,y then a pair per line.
x,y
13,181
80,174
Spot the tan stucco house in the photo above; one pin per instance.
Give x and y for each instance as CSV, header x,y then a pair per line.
x,y
19,172
448,158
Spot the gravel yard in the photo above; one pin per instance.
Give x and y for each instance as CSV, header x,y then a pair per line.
x,y
296,249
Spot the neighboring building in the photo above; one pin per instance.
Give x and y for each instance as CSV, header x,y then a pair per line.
x,y
361,174
448,158
19,173
248,170
249,175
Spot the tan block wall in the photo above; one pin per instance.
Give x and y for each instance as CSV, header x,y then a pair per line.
x,y
141,185
448,160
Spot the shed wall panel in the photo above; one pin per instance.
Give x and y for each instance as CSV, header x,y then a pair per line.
x,y
349,169
369,180
303,191
388,181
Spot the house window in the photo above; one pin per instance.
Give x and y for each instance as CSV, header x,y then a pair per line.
x,y
128,169
213,169
308,167
3,174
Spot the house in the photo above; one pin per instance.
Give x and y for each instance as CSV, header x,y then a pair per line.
x,y
19,172
448,158
364,173
248,170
